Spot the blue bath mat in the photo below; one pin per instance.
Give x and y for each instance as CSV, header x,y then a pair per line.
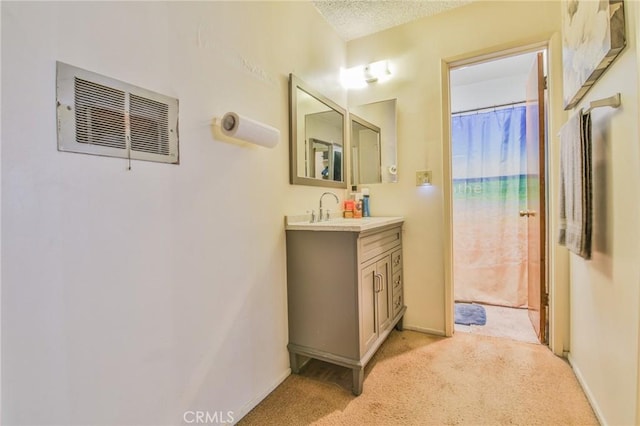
x,y
470,314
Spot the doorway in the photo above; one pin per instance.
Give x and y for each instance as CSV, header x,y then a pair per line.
x,y
498,139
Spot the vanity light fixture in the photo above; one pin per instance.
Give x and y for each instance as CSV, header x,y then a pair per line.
x,y
359,76
377,71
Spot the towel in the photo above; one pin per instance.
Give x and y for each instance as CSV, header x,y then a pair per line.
x,y
575,185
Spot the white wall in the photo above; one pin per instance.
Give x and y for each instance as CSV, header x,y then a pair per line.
x,y
604,291
129,297
497,91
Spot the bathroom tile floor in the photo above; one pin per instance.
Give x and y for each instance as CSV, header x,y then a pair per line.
x,y
510,323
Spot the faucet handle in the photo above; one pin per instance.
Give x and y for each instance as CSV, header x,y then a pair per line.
x,y
327,217
313,216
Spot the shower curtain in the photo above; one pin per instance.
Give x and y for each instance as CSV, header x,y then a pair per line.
x,y
489,190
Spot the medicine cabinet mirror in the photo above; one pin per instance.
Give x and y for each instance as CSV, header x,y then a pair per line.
x,y
317,137
376,120
365,151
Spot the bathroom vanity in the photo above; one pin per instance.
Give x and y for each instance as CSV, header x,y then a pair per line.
x,y
344,288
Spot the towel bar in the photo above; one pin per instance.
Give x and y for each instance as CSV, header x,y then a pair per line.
x,y
611,101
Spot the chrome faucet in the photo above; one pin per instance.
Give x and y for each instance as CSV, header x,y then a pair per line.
x,y
320,214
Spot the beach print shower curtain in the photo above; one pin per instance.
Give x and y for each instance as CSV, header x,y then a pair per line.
x,y
489,190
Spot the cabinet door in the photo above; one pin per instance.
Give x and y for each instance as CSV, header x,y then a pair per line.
x,y
384,297
368,295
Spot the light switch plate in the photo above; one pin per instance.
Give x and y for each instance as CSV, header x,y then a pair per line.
x,y
423,177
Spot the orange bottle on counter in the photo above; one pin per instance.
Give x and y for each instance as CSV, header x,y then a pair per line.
x,y
349,206
357,211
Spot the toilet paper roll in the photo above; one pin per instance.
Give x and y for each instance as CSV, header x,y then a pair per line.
x,y
246,129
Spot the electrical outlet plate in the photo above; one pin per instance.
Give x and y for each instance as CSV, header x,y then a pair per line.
x,y
423,177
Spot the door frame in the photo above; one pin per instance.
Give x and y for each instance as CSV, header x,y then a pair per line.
x,y
557,259
536,111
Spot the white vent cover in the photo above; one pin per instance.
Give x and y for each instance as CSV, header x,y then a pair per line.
x,y
102,116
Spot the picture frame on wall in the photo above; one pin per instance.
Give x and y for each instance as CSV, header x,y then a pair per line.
x,y
593,35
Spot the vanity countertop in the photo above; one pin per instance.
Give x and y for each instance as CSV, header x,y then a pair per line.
x,y
301,223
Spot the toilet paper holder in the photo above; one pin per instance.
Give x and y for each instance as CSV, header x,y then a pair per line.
x,y
237,127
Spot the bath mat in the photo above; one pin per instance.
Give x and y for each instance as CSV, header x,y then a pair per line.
x,y
470,314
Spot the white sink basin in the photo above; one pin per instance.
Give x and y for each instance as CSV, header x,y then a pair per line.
x,y
301,223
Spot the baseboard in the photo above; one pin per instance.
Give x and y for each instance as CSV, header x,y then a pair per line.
x,y
587,391
424,330
257,400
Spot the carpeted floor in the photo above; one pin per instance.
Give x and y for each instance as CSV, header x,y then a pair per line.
x,y
417,379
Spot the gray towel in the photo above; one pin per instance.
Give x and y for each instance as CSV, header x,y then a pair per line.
x,y
575,185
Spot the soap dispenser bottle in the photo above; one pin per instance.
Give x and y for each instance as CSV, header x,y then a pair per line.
x,y
353,193
365,203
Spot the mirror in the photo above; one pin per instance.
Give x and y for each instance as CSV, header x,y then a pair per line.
x,y
365,152
317,137
368,168
326,160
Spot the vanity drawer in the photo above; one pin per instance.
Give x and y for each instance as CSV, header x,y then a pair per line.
x,y
397,303
375,244
396,282
396,261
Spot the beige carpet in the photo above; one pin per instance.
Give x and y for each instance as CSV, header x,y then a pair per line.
x,y
417,379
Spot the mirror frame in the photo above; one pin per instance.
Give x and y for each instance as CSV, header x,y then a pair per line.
x,y
294,84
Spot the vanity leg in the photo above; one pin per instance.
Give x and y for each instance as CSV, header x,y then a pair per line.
x,y
293,361
399,325
358,378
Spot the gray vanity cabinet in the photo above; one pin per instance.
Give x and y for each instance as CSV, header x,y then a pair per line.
x,y
344,295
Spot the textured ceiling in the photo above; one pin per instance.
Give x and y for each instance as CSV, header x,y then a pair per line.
x,y
358,18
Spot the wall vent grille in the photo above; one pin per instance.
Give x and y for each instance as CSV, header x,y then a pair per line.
x,y
102,116
99,115
149,131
